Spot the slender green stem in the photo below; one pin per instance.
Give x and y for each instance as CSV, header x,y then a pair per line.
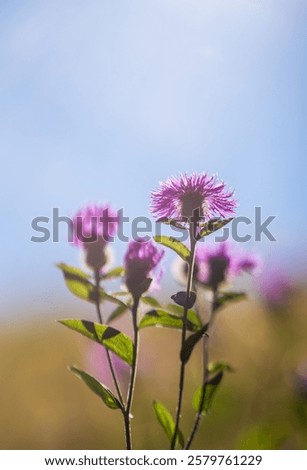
x,y
97,303
206,339
127,415
184,334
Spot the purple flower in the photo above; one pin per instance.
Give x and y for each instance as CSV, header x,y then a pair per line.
x,y
141,261
94,222
275,286
92,228
197,195
218,262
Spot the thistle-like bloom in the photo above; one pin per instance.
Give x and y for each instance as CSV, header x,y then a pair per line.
x,y
94,222
222,261
92,228
141,262
195,195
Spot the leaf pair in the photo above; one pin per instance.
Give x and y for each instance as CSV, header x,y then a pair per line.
x,y
79,284
206,228
112,339
212,226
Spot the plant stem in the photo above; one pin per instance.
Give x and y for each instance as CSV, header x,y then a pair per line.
x,y
206,339
184,332
127,410
97,303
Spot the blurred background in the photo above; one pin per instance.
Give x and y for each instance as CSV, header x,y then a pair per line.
x,y
101,100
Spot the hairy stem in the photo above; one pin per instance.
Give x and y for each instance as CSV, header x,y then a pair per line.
x,y
127,411
184,334
206,339
109,358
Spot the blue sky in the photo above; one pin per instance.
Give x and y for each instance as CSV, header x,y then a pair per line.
x,y
100,100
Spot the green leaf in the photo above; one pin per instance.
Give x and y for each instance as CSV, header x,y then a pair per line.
x,y
167,422
117,312
210,390
73,271
101,390
116,272
174,222
218,366
78,282
212,226
192,316
228,297
150,301
190,343
175,245
109,337
120,293
111,298
162,318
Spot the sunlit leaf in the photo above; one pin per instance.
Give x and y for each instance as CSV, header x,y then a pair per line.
x,y
210,390
112,339
78,282
175,245
178,223
120,293
117,312
111,298
150,301
218,366
228,297
98,388
192,316
162,318
167,422
212,226
115,272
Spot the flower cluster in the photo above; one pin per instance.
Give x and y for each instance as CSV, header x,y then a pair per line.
x,y
200,204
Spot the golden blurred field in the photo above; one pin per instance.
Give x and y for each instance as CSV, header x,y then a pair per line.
x,y
44,406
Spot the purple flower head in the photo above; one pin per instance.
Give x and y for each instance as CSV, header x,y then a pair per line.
x,y
141,261
92,228
198,195
94,222
219,262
